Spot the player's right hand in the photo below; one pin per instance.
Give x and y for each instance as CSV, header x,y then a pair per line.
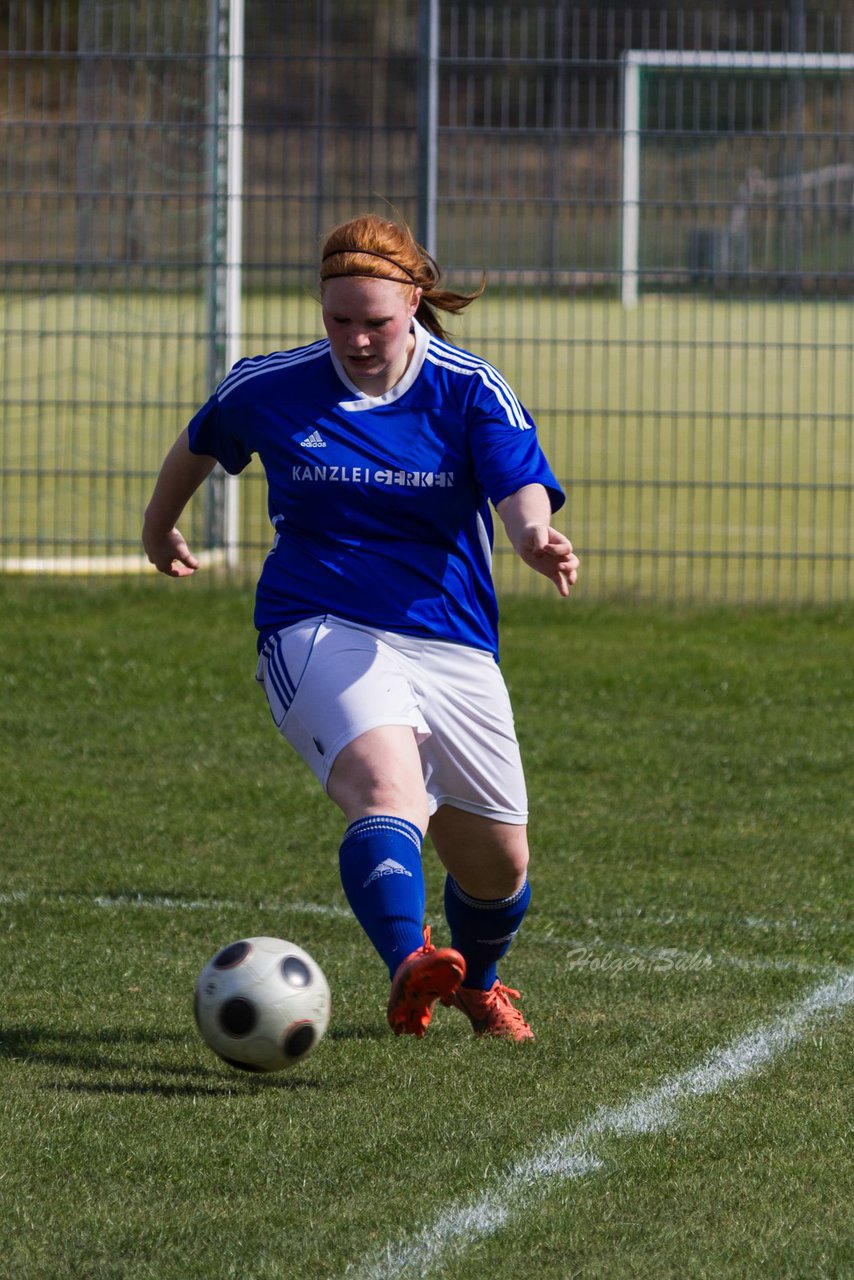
x,y
169,553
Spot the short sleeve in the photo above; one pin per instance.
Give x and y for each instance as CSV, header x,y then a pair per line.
x,y
210,432
506,451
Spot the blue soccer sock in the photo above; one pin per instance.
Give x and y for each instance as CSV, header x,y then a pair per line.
x,y
380,863
483,930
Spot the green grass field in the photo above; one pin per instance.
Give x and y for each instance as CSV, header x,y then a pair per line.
x,y
707,445
687,963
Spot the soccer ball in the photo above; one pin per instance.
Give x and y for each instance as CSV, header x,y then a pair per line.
x,y
262,1004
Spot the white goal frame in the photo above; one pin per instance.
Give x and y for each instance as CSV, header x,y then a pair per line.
x,y
635,62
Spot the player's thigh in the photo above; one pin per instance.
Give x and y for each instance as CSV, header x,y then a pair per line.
x,y
328,683
487,858
379,772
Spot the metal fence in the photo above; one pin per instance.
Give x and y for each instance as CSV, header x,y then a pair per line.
x,y
662,200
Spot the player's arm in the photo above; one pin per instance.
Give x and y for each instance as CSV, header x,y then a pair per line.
x,y
526,515
180,476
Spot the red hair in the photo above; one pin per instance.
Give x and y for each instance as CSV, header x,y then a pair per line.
x,y
383,250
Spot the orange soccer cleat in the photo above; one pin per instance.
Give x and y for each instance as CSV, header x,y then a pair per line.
x,y
491,1013
427,975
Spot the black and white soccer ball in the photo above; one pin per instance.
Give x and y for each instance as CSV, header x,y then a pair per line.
x,y
262,1004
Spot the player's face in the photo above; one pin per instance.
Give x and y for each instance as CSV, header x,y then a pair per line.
x,y
368,322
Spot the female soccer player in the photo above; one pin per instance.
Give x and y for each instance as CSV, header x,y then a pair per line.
x,y
383,446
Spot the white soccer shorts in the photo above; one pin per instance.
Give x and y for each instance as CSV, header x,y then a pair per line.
x,y
328,681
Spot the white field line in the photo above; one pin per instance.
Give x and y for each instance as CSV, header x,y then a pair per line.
x,y
96,564
158,902
573,1155
639,916
595,954
761,924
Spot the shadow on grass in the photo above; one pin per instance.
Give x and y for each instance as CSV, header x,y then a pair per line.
x,y
377,1031
86,1051
219,1087
94,1052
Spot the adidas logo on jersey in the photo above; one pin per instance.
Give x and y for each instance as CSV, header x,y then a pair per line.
x,y
387,868
314,441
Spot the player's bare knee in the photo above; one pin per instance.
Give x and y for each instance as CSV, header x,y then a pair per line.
x,y
492,869
508,875
363,786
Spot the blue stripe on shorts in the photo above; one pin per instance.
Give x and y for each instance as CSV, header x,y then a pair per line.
x,y
279,677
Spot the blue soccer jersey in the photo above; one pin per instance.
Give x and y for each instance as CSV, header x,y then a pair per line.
x,y
380,505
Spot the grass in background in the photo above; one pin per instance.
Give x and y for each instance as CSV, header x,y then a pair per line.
x,y
706,443
689,774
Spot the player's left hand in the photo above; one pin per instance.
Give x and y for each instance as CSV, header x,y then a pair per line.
x,y
550,553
